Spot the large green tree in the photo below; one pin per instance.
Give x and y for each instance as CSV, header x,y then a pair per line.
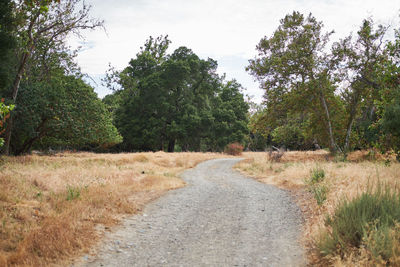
x,y
229,113
176,100
141,117
61,112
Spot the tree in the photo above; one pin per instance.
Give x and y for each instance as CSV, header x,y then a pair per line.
x,y
295,71
61,112
172,100
140,118
191,82
229,116
259,137
328,91
48,22
388,104
359,64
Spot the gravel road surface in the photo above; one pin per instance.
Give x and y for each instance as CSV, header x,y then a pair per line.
x,y
221,218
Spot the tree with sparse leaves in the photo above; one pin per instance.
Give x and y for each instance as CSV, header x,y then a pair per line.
x,y
295,72
332,96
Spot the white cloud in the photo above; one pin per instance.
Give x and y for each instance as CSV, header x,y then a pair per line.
x,y
218,29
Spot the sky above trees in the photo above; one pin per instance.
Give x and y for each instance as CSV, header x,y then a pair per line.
x,y
225,30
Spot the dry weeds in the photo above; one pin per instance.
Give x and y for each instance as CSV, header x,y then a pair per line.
x,y
50,206
343,180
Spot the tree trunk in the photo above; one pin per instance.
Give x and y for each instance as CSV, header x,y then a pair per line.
x,y
347,140
29,143
353,112
17,81
7,136
171,145
334,148
15,89
26,146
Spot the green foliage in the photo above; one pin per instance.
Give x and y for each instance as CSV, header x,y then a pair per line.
x,y
320,191
229,117
292,135
7,42
258,139
4,114
38,31
390,125
317,175
173,100
73,193
293,69
366,221
54,107
307,102
62,112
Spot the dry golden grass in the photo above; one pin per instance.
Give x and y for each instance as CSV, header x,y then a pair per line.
x,y
343,180
50,205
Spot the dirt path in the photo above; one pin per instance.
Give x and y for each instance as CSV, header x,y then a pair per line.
x,y
220,218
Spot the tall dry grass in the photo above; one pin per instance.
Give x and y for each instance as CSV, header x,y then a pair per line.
x,y
347,179
50,206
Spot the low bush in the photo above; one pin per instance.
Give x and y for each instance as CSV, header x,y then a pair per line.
x,y
320,192
317,175
366,222
234,149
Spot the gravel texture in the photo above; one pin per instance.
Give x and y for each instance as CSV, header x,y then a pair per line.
x,y
221,218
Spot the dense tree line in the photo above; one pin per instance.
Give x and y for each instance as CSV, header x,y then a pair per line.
x,y
176,101
164,101
344,97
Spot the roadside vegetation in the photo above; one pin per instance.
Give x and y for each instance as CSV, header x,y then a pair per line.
x,y
53,207
351,208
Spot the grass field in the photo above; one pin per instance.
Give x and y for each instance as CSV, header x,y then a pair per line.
x,y
319,184
51,207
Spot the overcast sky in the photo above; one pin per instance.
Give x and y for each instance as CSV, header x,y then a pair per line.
x,y
225,30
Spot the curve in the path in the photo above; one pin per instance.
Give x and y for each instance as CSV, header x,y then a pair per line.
x,y
220,218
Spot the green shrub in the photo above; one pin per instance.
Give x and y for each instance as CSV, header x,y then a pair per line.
x,y
317,175
320,192
365,221
379,242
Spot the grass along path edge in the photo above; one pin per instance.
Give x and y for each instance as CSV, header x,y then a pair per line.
x,y
342,180
52,207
